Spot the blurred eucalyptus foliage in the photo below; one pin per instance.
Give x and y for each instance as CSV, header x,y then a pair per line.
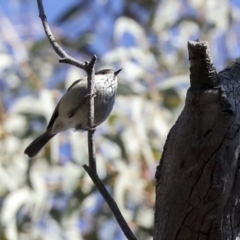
x,y
51,197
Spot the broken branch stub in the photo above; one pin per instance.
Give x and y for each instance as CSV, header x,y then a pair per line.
x,y
202,71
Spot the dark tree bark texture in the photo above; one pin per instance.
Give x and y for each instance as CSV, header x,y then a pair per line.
x,y
198,178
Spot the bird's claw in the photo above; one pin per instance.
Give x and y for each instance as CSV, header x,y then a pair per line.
x,y
79,128
93,95
91,129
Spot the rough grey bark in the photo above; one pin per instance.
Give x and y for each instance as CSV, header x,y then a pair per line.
x,y
198,178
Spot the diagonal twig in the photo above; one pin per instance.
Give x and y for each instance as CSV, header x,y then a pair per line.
x,y
64,57
111,203
91,169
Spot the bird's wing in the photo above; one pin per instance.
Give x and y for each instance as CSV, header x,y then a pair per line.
x,y
75,83
82,91
77,95
53,117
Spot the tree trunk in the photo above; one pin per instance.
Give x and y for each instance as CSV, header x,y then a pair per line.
x,y
198,178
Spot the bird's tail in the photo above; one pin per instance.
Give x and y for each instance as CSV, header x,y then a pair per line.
x,y
33,149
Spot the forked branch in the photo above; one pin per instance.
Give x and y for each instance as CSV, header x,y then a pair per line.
x,y
89,67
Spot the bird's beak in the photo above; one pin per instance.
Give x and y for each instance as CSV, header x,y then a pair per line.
x,y
117,72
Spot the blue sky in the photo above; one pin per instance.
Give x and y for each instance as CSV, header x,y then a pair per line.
x,y
52,7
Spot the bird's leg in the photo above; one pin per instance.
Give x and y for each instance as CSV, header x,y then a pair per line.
x,y
93,95
92,129
80,128
73,111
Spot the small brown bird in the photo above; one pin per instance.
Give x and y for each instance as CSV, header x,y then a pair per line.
x,y
72,109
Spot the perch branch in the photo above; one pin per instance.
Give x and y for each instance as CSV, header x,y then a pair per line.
x,y
111,203
91,169
64,57
91,145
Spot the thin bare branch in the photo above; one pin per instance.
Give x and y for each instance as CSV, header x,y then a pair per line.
x,y
91,87
65,58
92,169
74,62
111,203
